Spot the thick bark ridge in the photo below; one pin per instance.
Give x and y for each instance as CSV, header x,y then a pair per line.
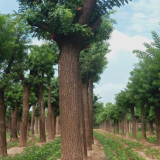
x,y
86,116
14,122
23,129
133,122
32,120
69,77
42,114
143,124
157,113
3,145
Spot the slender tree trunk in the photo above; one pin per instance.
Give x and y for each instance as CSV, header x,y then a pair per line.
x,y
28,128
53,122
150,127
110,126
25,115
3,145
122,126
57,125
46,124
137,125
32,120
36,124
126,126
86,116
42,114
117,126
51,133
70,104
14,121
114,131
157,116
91,109
18,124
143,124
133,122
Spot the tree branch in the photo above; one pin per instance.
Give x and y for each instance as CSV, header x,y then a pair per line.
x,y
95,24
86,13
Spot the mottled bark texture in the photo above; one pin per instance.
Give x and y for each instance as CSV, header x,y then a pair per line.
x,y
25,115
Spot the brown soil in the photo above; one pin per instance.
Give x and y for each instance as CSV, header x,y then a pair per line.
x,y
15,150
97,153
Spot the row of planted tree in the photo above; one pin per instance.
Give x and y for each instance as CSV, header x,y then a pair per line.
x,y
76,27
139,102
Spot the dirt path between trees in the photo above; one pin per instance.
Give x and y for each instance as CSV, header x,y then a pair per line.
x,y
141,153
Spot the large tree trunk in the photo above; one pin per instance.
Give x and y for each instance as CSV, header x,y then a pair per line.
x,y
36,124
41,114
51,133
157,116
70,103
126,126
14,122
133,122
23,129
143,124
32,120
86,116
91,108
150,127
3,145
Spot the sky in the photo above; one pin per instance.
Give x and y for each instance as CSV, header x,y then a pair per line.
x,y
135,21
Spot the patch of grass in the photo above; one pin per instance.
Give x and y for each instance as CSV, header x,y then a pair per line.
x,y
49,151
11,144
152,152
115,150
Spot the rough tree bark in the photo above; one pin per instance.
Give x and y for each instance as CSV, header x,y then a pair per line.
x,y
58,125
14,121
143,124
91,108
50,114
41,114
86,116
3,145
157,113
36,124
69,77
32,120
25,115
133,122
150,127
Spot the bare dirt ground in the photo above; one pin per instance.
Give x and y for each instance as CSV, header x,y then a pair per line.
x,y
97,153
